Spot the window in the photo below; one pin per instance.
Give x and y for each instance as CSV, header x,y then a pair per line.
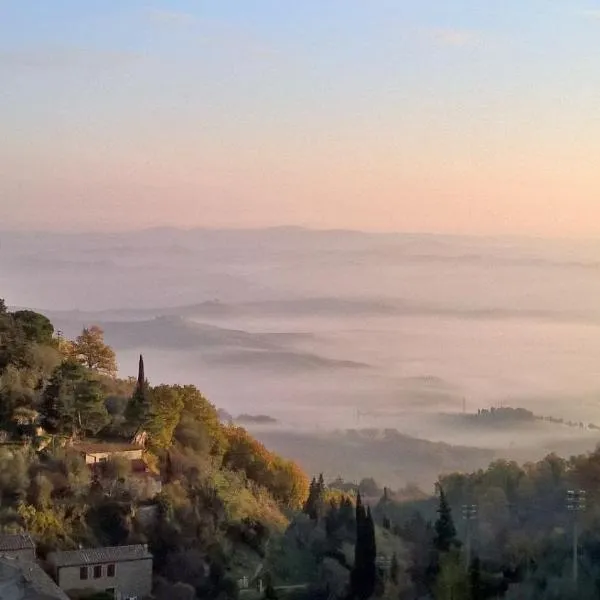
x,y
110,571
83,573
97,571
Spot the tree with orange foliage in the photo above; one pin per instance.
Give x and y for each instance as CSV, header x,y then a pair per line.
x,y
284,479
90,350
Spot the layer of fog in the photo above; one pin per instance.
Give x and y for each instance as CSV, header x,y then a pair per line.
x,y
336,330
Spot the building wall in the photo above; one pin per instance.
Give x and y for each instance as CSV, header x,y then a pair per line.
x,y
132,578
95,457
23,554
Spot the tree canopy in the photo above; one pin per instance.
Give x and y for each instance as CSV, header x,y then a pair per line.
x,y
90,350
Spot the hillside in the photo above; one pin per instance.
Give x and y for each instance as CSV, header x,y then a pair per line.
x,y
387,455
207,501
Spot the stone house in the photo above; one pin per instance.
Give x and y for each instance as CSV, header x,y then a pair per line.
x,y
22,579
142,482
18,545
125,571
95,453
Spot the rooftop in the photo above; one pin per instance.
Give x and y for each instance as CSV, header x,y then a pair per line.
x,y
16,541
96,556
30,578
101,447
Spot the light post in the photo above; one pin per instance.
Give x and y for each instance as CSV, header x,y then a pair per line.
x,y
469,513
576,503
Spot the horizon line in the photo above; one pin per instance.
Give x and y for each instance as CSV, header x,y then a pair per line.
x,y
301,228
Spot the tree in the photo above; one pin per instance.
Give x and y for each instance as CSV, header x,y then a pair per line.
x,y
90,350
445,532
364,573
36,327
166,407
451,582
73,403
368,487
310,506
200,427
139,406
314,506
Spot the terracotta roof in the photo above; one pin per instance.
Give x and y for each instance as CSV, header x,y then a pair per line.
x,y
88,556
32,579
94,448
17,541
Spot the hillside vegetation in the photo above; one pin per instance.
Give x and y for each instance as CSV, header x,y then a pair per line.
x,y
224,495
227,508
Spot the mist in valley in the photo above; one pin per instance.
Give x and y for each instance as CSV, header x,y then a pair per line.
x,y
394,336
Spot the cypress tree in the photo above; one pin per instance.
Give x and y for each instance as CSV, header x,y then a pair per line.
x,y
445,532
321,484
139,406
370,555
311,501
364,573
141,382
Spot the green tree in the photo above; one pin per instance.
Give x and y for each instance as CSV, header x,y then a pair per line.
x,y
90,350
451,582
139,406
167,405
364,573
445,531
73,403
36,327
40,491
200,427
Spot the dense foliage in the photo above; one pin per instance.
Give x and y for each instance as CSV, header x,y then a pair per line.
x,y
228,508
223,493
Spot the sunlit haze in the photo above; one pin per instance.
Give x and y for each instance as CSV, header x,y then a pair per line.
x,y
457,116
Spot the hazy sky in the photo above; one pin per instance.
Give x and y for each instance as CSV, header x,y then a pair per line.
x,y
422,115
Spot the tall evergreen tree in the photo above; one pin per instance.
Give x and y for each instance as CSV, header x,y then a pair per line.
x,y
141,381
321,485
139,406
445,531
314,506
310,504
364,574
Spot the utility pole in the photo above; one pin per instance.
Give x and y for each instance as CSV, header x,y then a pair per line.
x,y
469,513
576,503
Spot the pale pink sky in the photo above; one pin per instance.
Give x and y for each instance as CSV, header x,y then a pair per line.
x,y
441,122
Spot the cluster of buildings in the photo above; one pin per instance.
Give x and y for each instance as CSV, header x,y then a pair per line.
x,y
123,572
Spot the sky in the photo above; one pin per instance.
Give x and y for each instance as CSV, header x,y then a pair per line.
x,y
454,116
